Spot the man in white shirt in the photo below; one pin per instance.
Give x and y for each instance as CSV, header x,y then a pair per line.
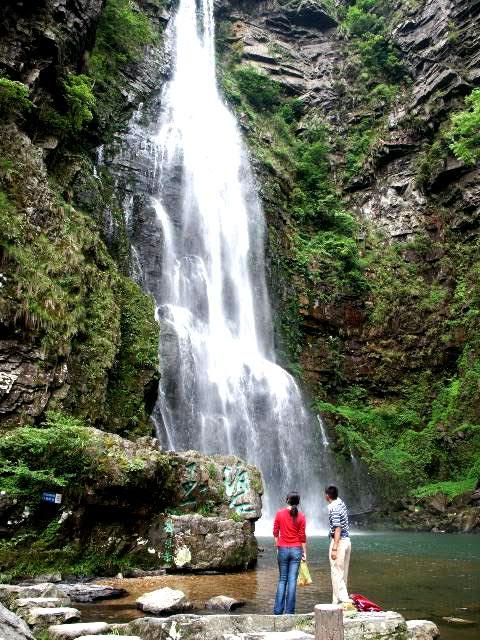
x,y
340,545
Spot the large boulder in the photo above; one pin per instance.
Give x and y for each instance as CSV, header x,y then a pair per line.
x,y
200,543
12,627
422,630
164,600
357,626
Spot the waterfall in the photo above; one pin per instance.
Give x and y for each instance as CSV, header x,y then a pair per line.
x,y
221,390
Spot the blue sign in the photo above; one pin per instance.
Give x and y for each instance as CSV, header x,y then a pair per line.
x,y
55,498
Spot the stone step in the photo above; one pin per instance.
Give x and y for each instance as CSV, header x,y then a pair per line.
x,y
76,630
80,592
45,616
10,592
109,636
21,603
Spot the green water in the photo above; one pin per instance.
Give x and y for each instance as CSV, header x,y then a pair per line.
x,y
421,575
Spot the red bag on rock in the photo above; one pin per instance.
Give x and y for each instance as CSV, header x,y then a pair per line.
x,y
363,604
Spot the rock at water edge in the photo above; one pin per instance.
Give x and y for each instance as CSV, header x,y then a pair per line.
x,y
453,620
163,601
271,635
92,592
12,627
422,630
223,603
41,579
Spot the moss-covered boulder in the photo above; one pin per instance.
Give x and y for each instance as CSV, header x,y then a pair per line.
x,y
121,504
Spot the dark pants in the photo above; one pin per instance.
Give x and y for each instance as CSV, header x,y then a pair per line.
x,y
288,565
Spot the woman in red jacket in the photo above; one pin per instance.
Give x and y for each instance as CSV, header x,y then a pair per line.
x,y
290,540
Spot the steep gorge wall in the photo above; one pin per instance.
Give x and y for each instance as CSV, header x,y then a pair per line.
x,y
384,334
77,334
376,311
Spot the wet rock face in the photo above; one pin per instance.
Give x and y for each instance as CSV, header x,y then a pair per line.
x,y
12,627
444,68
27,381
440,45
296,44
34,37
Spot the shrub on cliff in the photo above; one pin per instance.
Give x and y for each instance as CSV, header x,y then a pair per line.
x,y
260,91
50,457
361,19
465,132
13,97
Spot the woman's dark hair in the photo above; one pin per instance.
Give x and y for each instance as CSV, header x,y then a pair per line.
x,y
332,492
293,499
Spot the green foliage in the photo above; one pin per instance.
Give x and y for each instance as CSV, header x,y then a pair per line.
x,y
380,57
13,98
212,471
366,25
360,19
69,559
448,488
207,509
80,101
423,430
122,32
260,91
52,456
235,516
65,290
137,357
358,145
465,130
430,161
75,110
330,261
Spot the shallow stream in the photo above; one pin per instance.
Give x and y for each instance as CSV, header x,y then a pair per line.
x,y
420,575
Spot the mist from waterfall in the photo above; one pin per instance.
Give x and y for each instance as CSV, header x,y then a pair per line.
x,y
221,390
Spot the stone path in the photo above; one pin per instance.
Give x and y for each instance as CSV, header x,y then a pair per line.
x,y
28,610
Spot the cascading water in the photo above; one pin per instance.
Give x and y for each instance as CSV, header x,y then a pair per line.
x,y
221,391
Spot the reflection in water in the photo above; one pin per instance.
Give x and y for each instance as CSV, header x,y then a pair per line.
x,y
423,576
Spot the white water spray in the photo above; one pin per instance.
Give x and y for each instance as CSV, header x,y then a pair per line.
x,y
220,391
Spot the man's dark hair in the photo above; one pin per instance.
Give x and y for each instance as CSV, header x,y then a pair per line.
x,y
332,492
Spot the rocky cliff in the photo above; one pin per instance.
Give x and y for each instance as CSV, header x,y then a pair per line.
x,y
351,111
360,117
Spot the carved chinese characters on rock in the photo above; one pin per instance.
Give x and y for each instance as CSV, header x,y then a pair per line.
x,y
237,488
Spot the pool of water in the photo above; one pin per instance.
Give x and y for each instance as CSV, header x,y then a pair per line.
x,y
421,575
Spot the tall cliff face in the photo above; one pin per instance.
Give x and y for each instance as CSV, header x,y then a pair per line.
x,y
378,313
77,334
373,218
